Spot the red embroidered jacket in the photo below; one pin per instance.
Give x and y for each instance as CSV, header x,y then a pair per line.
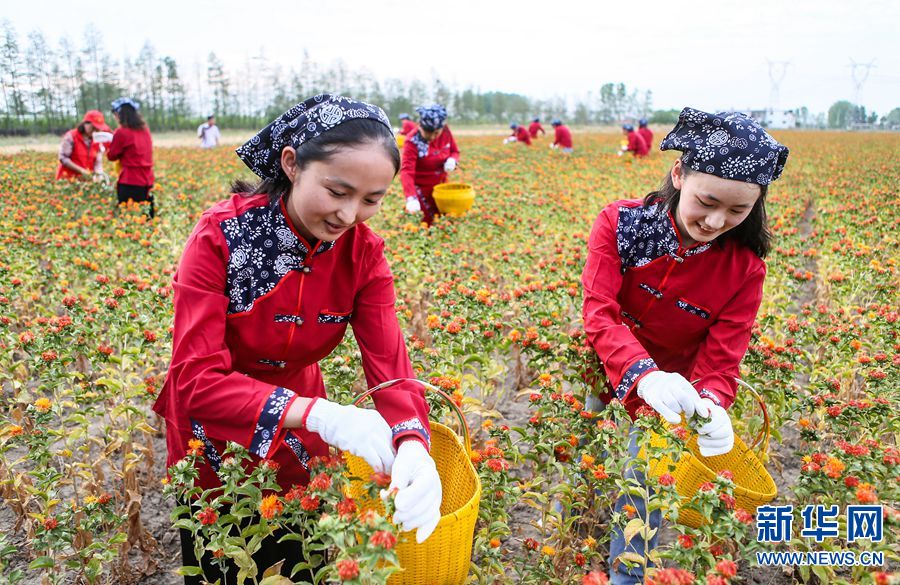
x,y
534,128
408,127
256,308
650,303
422,162
135,149
522,135
562,137
647,135
636,144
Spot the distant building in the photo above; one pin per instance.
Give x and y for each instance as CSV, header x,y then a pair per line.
x,y
776,119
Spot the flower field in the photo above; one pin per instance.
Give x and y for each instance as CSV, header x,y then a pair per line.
x,y
491,304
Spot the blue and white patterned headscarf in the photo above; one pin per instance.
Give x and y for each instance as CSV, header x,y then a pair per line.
x,y
306,120
729,145
122,101
432,117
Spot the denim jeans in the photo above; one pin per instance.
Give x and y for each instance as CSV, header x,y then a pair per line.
x,y
621,574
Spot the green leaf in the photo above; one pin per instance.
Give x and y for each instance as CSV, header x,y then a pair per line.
x,y
189,571
633,528
42,563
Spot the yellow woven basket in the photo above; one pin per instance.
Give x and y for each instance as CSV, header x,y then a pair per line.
x,y
753,484
444,558
454,199
401,140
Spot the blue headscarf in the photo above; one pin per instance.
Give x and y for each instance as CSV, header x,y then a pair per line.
x,y
628,127
122,101
556,122
432,117
304,121
730,145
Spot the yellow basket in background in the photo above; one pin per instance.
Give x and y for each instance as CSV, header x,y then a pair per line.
x,y
445,558
401,140
753,485
454,199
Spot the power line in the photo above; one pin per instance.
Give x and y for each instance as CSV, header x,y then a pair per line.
x,y
777,72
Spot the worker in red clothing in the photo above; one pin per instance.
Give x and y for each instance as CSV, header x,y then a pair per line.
x,y
636,145
562,136
672,286
78,150
133,146
407,126
519,134
535,127
266,286
429,154
646,133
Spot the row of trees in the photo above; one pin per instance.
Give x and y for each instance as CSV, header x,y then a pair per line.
x,y
48,86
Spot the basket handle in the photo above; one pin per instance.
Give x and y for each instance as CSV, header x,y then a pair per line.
x,y
764,433
467,441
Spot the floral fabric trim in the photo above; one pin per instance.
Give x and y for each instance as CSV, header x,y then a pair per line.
x,y
327,317
651,290
704,393
632,374
293,441
209,450
269,419
644,234
414,425
692,309
262,249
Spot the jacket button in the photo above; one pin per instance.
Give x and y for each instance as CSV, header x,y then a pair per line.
x,y
678,259
307,269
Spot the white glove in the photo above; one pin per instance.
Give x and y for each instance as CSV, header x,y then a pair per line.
x,y
413,205
359,431
715,437
509,139
553,145
669,394
418,500
449,165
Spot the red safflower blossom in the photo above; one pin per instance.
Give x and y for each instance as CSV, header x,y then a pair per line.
x,y
497,465
727,500
49,355
666,479
309,503
320,482
383,539
347,569
207,516
707,486
743,516
346,508
50,523
531,544
671,576
380,479
686,541
726,568
595,578
579,559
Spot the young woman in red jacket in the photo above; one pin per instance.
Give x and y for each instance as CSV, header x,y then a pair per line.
x,y
78,151
407,126
535,127
636,145
132,145
429,154
646,133
267,284
672,285
519,134
562,137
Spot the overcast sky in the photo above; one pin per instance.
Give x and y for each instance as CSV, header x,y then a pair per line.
x,y
710,54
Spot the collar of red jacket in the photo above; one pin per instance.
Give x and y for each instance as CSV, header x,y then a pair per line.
x,y
283,225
